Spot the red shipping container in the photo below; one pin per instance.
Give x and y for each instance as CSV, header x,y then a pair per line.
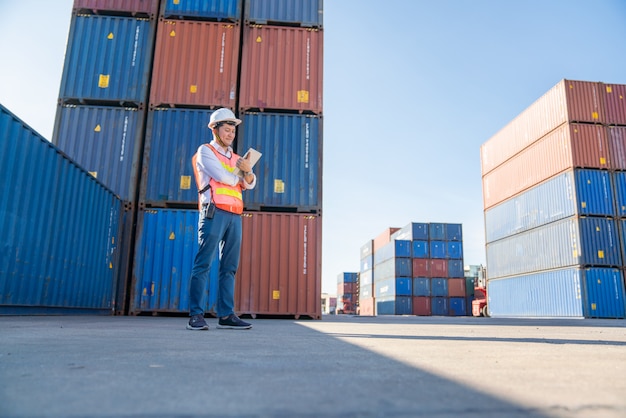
x,y
617,143
280,268
366,306
421,267
438,267
195,63
568,101
281,68
570,145
346,288
421,306
383,238
456,288
132,7
615,104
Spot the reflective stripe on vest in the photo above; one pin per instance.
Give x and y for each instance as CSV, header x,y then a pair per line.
x,y
224,196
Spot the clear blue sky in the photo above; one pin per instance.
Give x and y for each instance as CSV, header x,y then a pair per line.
x,y
412,88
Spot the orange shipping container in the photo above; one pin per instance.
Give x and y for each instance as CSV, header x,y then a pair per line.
x,y
570,145
281,68
366,307
383,238
195,63
568,101
280,268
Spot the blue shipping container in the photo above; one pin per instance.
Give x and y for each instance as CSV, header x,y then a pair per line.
x,y
105,141
305,13
289,172
167,243
394,267
457,307
437,231
172,138
584,241
412,231
59,232
395,248
439,286
439,306
421,286
347,278
396,286
229,10
580,191
456,268
454,249
394,305
454,232
438,249
107,59
619,182
420,249
572,292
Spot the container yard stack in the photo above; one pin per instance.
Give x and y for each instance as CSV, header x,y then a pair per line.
x,y
366,280
551,190
103,98
280,103
194,71
62,255
347,293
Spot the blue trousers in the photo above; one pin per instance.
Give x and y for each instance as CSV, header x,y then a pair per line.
x,y
224,227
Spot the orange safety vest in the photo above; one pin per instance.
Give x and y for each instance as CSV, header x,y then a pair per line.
x,y
224,196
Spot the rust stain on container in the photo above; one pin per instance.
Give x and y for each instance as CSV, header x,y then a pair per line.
x,y
281,68
195,63
570,145
280,268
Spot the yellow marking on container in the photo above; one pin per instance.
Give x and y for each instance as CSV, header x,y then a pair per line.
x,y
583,204
94,173
602,160
609,89
258,39
600,254
172,236
98,128
172,34
279,186
176,1
185,182
594,115
276,294
593,306
103,81
193,88
303,96
110,35
110,265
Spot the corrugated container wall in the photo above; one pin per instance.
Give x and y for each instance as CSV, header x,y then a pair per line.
x,y
615,104
220,10
148,8
172,138
59,229
166,245
572,292
568,101
305,13
106,141
617,143
280,268
570,145
574,192
107,60
195,64
281,69
289,174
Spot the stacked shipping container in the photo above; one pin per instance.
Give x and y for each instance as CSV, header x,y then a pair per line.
x,y
414,270
347,293
136,122
60,229
552,212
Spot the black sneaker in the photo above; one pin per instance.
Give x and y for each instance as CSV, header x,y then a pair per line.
x,y
197,323
233,322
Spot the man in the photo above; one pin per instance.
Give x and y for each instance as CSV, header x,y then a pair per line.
x,y
221,204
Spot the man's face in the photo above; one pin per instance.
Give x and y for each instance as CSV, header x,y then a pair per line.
x,y
227,133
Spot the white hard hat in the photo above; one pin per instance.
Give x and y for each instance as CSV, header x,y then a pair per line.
x,y
223,115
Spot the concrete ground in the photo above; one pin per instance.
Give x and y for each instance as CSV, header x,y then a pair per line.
x,y
340,366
